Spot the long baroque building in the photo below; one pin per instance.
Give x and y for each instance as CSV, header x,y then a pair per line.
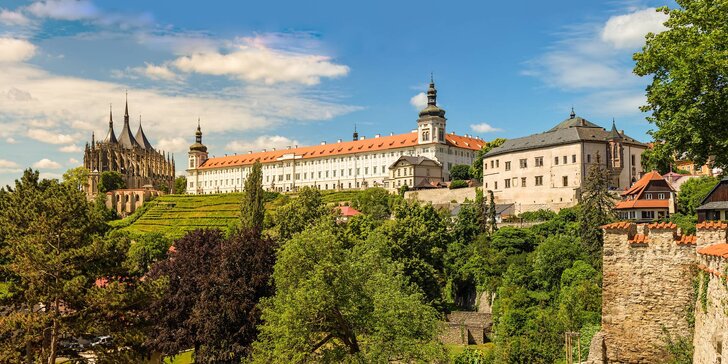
x,y
546,170
359,163
131,155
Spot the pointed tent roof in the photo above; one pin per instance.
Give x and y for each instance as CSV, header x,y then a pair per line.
x,y
141,138
614,134
110,136
126,139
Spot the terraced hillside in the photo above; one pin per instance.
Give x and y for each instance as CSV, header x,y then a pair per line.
x,y
173,215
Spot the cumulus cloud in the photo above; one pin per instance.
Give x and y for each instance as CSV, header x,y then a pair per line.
x,y
72,148
64,9
260,143
15,50
253,61
177,144
46,163
628,31
419,101
8,164
157,73
484,128
13,17
73,161
45,136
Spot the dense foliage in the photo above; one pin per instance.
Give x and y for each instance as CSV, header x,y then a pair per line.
x,y
687,97
180,185
460,172
477,167
692,193
110,180
458,183
252,210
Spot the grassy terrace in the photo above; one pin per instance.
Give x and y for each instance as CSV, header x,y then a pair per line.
x,y
174,215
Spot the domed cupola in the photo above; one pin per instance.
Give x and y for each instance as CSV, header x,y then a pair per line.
x,y
431,123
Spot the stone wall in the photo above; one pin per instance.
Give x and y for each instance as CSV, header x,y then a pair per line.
x,y
465,327
711,322
647,288
442,196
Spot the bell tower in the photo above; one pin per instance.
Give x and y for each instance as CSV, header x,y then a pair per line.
x,y
431,123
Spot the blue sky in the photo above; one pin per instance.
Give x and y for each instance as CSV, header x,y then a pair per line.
x,y
266,74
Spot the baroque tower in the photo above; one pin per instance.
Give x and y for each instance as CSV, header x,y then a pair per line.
x,y
431,123
196,156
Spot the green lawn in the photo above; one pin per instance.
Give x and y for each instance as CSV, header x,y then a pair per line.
x,y
184,358
455,349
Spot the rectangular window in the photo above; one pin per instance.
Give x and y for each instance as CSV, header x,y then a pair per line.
x,y
648,196
565,179
556,161
327,174
539,161
524,163
366,170
497,165
508,183
375,170
633,158
496,184
523,181
588,158
508,166
539,181
566,160
349,171
288,176
319,174
648,214
660,196
573,158
492,164
298,176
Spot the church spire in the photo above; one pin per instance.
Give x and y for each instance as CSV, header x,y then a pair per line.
x,y
126,107
198,133
198,146
126,138
356,135
432,92
614,134
110,136
141,138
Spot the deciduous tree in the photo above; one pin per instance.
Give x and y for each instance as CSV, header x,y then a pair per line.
x,y
110,180
477,167
687,97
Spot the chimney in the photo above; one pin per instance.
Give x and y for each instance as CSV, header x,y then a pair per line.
x,y
621,132
323,142
362,137
264,150
273,149
288,147
250,152
338,140
390,133
377,136
295,146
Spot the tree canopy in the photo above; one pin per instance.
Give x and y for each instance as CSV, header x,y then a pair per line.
x,y
110,180
460,172
688,93
477,167
692,193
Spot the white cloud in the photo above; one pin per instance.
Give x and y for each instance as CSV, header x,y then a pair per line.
x,y
15,50
13,17
46,163
419,101
177,144
45,136
72,148
484,128
8,164
64,9
155,72
10,140
49,175
628,31
73,161
253,61
260,143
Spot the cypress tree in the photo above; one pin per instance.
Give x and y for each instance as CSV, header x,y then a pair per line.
x,y
252,210
492,227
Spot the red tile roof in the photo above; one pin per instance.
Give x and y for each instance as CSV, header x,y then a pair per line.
x,y
687,240
716,250
636,191
648,204
343,148
640,185
620,225
640,239
712,225
662,225
348,211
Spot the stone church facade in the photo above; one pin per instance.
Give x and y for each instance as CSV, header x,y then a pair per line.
x,y
133,156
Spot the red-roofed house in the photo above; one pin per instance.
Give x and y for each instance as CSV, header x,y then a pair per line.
x,y
650,198
359,163
346,212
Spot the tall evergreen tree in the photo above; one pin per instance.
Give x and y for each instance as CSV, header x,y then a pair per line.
x,y
48,229
492,226
596,210
252,210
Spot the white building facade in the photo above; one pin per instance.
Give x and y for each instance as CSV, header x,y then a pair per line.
x,y
547,170
359,163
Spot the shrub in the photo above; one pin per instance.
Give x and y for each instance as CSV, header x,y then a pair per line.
x,y
458,184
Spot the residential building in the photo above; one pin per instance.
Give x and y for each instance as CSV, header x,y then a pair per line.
x,y
359,163
650,198
547,170
415,172
344,213
715,205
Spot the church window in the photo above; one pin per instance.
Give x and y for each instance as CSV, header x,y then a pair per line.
x,y
425,135
441,134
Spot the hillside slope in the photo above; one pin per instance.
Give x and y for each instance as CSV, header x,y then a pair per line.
x,y
174,215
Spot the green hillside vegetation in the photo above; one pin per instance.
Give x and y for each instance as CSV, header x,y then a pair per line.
x,y
174,215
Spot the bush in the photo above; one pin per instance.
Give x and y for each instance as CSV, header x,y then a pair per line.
x,y
539,215
460,171
473,356
458,184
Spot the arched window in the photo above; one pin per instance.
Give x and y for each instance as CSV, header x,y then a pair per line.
x,y
425,135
